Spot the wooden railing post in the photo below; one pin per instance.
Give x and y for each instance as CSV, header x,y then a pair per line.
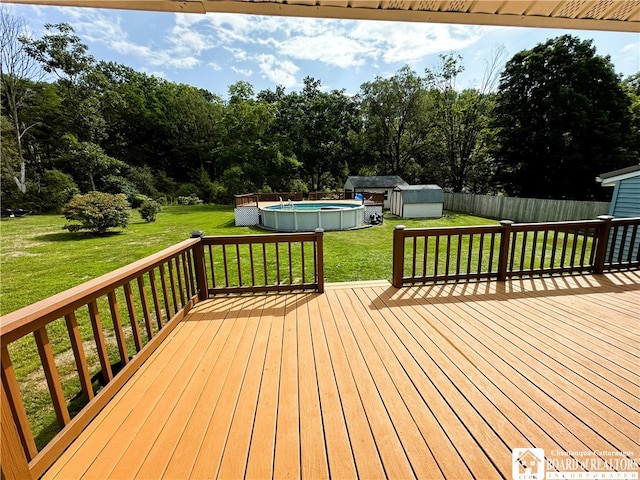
x,y
200,266
602,243
503,257
320,258
14,461
398,256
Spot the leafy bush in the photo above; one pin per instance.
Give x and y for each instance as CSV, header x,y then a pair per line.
x,y
57,189
148,210
190,200
97,212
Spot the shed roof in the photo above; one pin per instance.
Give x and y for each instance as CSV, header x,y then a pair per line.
x,y
377,181
609,179
420,193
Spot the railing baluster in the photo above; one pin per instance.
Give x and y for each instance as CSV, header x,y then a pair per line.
x,y
212,265
424,256
545,237
253,273
470,254
612,244
523,250
165,291
304,277
632,243
78,354
278,281
180,285
10,384
554,248
413,257
437,256
491,250
448,256
117,327
290,263
146,313
101,345
133,318
459,258
574,247
623,240
514,237
187,278
192,278
318,245
583,251
264,263
239,264
564,248
156,300
534,244
480,252
226,268
52,377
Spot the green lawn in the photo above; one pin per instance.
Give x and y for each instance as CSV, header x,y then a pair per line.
x,y
39,259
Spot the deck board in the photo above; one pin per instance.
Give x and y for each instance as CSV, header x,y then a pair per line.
x,y
368,381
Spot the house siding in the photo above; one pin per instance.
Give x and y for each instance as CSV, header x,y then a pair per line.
x,y
626,198
625,204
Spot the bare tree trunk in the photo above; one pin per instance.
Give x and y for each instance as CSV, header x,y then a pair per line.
x,y
16,67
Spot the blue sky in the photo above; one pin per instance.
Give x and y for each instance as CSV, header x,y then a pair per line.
x,y
215,50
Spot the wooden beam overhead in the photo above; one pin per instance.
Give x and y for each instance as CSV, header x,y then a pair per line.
x,y
608,15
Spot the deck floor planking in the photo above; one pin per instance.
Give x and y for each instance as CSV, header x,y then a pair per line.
x,y
368,381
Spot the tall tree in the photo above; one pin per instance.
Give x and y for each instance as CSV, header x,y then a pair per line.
x,y
460,119
18,70
396,122
562,118
61,53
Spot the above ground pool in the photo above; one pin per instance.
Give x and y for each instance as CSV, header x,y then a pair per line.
x,y
307,216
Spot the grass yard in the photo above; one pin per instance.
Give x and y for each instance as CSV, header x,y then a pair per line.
x,y
39,259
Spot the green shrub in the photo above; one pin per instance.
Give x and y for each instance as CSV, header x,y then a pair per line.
x,y
57,189
148,210
97,212
190,200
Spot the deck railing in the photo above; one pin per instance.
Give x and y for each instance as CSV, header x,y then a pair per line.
x,y
112,324
141,303
260,263
423,255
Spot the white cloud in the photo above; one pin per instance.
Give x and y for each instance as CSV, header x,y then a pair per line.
x,y
631,48
280,72
339,51
243,71
184,45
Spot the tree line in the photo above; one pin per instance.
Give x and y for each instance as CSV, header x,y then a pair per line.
x,y
554,118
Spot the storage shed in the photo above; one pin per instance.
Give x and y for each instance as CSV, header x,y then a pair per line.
x,y
375,184
417,201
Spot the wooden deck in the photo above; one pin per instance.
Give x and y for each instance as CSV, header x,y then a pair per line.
x,y
369,381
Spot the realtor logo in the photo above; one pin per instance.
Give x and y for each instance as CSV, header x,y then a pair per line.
x,y
527,464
